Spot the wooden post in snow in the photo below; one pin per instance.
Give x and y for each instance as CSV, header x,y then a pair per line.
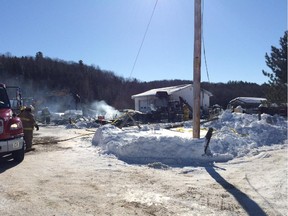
x,y
197,69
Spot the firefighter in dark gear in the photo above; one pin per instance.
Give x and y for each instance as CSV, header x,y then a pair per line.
x,y
28,123
46,115
77,101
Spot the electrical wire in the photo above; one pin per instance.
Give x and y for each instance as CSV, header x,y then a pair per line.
x,y
143,39
206,66
203,43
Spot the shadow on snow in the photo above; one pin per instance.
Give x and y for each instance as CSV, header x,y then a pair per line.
x,y
249,205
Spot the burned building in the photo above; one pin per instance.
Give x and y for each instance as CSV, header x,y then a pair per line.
x,y
170,100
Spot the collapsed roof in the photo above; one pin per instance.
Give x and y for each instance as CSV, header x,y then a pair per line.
x,y
170,90
248,100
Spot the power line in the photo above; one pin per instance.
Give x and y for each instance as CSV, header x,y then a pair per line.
x,y
204,53
203,43
143,39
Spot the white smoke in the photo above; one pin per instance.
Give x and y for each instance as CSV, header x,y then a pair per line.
x,y
101,108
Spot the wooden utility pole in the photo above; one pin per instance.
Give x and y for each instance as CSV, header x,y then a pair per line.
x,y
197,68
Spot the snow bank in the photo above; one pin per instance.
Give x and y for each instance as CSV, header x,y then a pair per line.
x,y
150,144
238,133
235,135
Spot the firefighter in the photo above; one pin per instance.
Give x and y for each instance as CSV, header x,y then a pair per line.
x,y
46,115
28,123
185,112
77,101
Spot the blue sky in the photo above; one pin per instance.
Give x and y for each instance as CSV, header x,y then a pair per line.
x,y
108,34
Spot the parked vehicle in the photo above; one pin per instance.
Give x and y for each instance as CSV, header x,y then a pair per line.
x,y
248,105
11,129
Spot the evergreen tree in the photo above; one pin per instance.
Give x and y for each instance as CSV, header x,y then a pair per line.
x,y
277,62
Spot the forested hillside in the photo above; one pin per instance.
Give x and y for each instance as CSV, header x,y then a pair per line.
x,y
47,79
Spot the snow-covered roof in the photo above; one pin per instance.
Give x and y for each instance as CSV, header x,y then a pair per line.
x,y
170,90
249,100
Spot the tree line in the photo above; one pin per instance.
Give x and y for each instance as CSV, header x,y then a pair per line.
x,y
49,78
54,77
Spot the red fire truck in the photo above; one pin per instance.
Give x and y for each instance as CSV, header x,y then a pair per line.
x,y
11,129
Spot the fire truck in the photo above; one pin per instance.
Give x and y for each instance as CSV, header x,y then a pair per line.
x,y
11,129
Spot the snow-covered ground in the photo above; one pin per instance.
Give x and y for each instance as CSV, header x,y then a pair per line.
x,y
235,135
245,145
152,171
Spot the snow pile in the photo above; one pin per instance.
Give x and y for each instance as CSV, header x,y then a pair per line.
x,y
235,135
238,133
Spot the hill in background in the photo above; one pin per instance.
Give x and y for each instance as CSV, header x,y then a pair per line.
x,y
58,82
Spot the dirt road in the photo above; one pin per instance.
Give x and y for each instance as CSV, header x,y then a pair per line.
x,y
72,178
